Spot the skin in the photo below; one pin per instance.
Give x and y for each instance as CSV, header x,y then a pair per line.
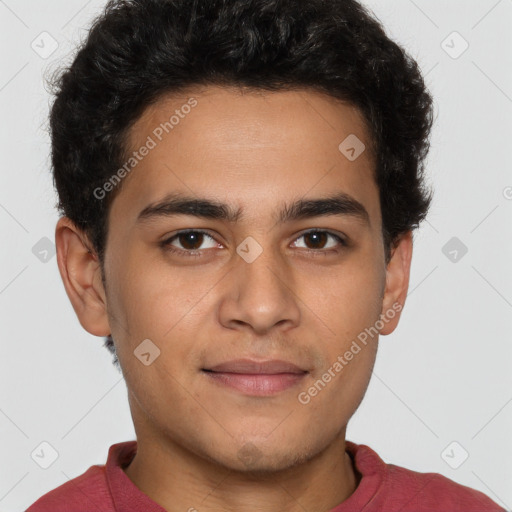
x,y
257,151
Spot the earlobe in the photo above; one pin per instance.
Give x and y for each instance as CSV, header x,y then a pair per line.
x,y
397,283
81,275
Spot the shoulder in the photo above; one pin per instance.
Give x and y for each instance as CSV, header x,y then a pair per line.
x,y
90,490
433,491
86,492
393,487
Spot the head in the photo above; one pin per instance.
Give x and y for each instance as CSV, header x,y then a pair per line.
x,y
288,140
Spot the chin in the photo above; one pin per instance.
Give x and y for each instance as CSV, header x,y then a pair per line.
x,y
262,458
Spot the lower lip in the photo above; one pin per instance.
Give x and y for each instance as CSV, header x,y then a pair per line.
x,y
257,384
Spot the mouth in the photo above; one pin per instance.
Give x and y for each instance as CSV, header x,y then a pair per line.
x,y
250,366
256,378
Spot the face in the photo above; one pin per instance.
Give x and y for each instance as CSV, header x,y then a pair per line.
x,y
262,278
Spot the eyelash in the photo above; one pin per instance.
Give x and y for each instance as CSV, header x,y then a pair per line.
x,y
166,244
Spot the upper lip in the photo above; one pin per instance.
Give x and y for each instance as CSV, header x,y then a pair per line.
x,y
250,366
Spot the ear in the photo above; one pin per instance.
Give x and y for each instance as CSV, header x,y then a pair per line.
x,y
81,274
397,283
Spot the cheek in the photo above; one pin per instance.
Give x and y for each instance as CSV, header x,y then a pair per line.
x,y
347,298
153,306
348,302
142,291
156,301
336,390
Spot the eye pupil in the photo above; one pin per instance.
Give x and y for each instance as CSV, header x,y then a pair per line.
x,y
192,236
316,236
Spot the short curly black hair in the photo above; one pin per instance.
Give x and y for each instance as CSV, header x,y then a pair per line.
x,y
138,50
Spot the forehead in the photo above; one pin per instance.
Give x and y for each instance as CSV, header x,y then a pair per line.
x,y
248,148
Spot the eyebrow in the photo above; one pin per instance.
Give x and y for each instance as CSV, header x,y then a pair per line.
x,y
340,204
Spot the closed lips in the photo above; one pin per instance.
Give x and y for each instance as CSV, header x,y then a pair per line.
x,y
250,367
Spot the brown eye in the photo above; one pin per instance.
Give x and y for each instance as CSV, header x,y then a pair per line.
x,y
316,240
189,242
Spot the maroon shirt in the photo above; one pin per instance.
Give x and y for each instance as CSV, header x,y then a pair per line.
x,y
383,488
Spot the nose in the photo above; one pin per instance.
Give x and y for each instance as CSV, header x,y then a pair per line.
x,y
260,295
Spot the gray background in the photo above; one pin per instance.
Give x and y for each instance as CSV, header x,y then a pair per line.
x,y
442,377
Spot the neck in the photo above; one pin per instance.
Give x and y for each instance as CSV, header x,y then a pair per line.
x,y
178,480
